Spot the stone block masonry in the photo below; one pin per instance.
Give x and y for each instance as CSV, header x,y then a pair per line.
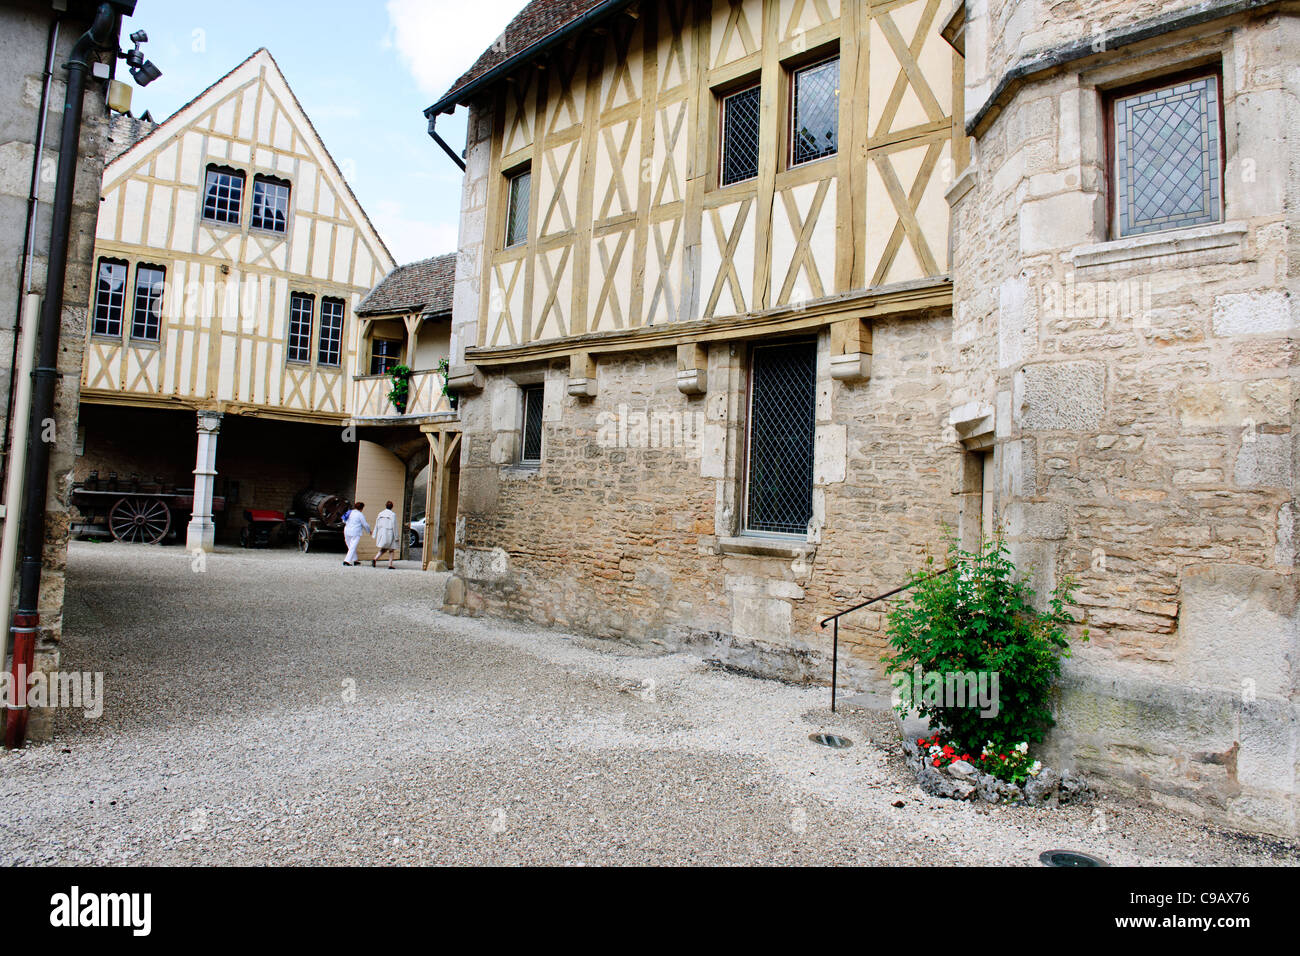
x,y
626,533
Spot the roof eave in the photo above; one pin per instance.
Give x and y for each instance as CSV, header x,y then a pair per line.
x,y
462,95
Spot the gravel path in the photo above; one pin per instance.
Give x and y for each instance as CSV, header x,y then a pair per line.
x,y
280,708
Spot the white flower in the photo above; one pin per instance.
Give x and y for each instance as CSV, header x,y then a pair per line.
x,y
1022,747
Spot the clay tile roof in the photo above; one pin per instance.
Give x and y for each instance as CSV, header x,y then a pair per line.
x,y
525,36
424,286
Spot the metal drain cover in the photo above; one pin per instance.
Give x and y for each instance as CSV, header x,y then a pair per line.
x,y
831,740
1068,858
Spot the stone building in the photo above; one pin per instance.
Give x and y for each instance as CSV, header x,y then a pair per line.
x,y
756,298
38,39
232,262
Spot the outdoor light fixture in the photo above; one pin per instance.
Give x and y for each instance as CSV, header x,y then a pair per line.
x,y
142,71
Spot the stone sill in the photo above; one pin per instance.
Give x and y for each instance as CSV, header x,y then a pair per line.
x,y
520,472
1219,235
757,547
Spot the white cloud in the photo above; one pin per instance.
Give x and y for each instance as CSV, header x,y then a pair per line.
x,y
438,40
412,239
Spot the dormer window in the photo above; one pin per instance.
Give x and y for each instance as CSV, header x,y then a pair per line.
x,y
270,204
223,195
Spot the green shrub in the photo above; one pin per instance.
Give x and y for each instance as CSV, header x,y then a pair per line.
x,y
979,619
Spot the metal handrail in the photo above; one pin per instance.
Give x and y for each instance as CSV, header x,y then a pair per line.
x,y
835,653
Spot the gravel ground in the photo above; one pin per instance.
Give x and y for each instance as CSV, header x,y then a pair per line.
x,y
280,708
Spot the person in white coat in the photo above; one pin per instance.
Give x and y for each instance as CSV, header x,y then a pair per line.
x,y
385,535
354,526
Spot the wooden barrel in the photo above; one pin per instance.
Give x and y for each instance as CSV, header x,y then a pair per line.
x,y
319,504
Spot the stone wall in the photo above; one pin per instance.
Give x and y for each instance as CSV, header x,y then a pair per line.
x,y
24,28
1145,417
623,529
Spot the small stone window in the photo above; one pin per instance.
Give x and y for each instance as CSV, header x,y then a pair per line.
x,y
110,297
782,423
223,195
1167,165
521,184
146,317
815,111
301,307
530,448
740,131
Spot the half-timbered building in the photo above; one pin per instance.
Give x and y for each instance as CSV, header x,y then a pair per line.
x,y
231,259
758,299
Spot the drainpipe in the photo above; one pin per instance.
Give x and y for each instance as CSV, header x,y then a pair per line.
x,y
25,266
22,374
27,619
446,147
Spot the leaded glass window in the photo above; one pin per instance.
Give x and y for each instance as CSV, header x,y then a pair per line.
x,y
110,297
740,136
1168,157
517,214
531,449
330,349
270,204
300,316
223,195
146,317
782,417
815,112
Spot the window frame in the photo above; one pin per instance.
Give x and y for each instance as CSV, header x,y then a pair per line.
x,y
748,84
264,180
792,84
232,171
747,461
337,342
397,357
1121,91
121,316
537,392
135,303
513,176
310,298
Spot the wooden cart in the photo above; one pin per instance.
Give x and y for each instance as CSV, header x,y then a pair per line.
x,y
135,511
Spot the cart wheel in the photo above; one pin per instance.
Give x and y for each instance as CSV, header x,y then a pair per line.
x,y
143,520
304,538
412,539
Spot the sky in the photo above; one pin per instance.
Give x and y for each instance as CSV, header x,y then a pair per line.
x,y
364,71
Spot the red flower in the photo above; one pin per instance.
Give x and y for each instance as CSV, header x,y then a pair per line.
x,y
936,761
920,743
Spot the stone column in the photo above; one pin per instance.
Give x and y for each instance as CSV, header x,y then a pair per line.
x,y
201,533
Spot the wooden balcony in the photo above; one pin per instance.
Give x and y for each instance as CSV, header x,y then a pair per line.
x,y
424,401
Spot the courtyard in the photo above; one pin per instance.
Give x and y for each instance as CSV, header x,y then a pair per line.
x,y
279,708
